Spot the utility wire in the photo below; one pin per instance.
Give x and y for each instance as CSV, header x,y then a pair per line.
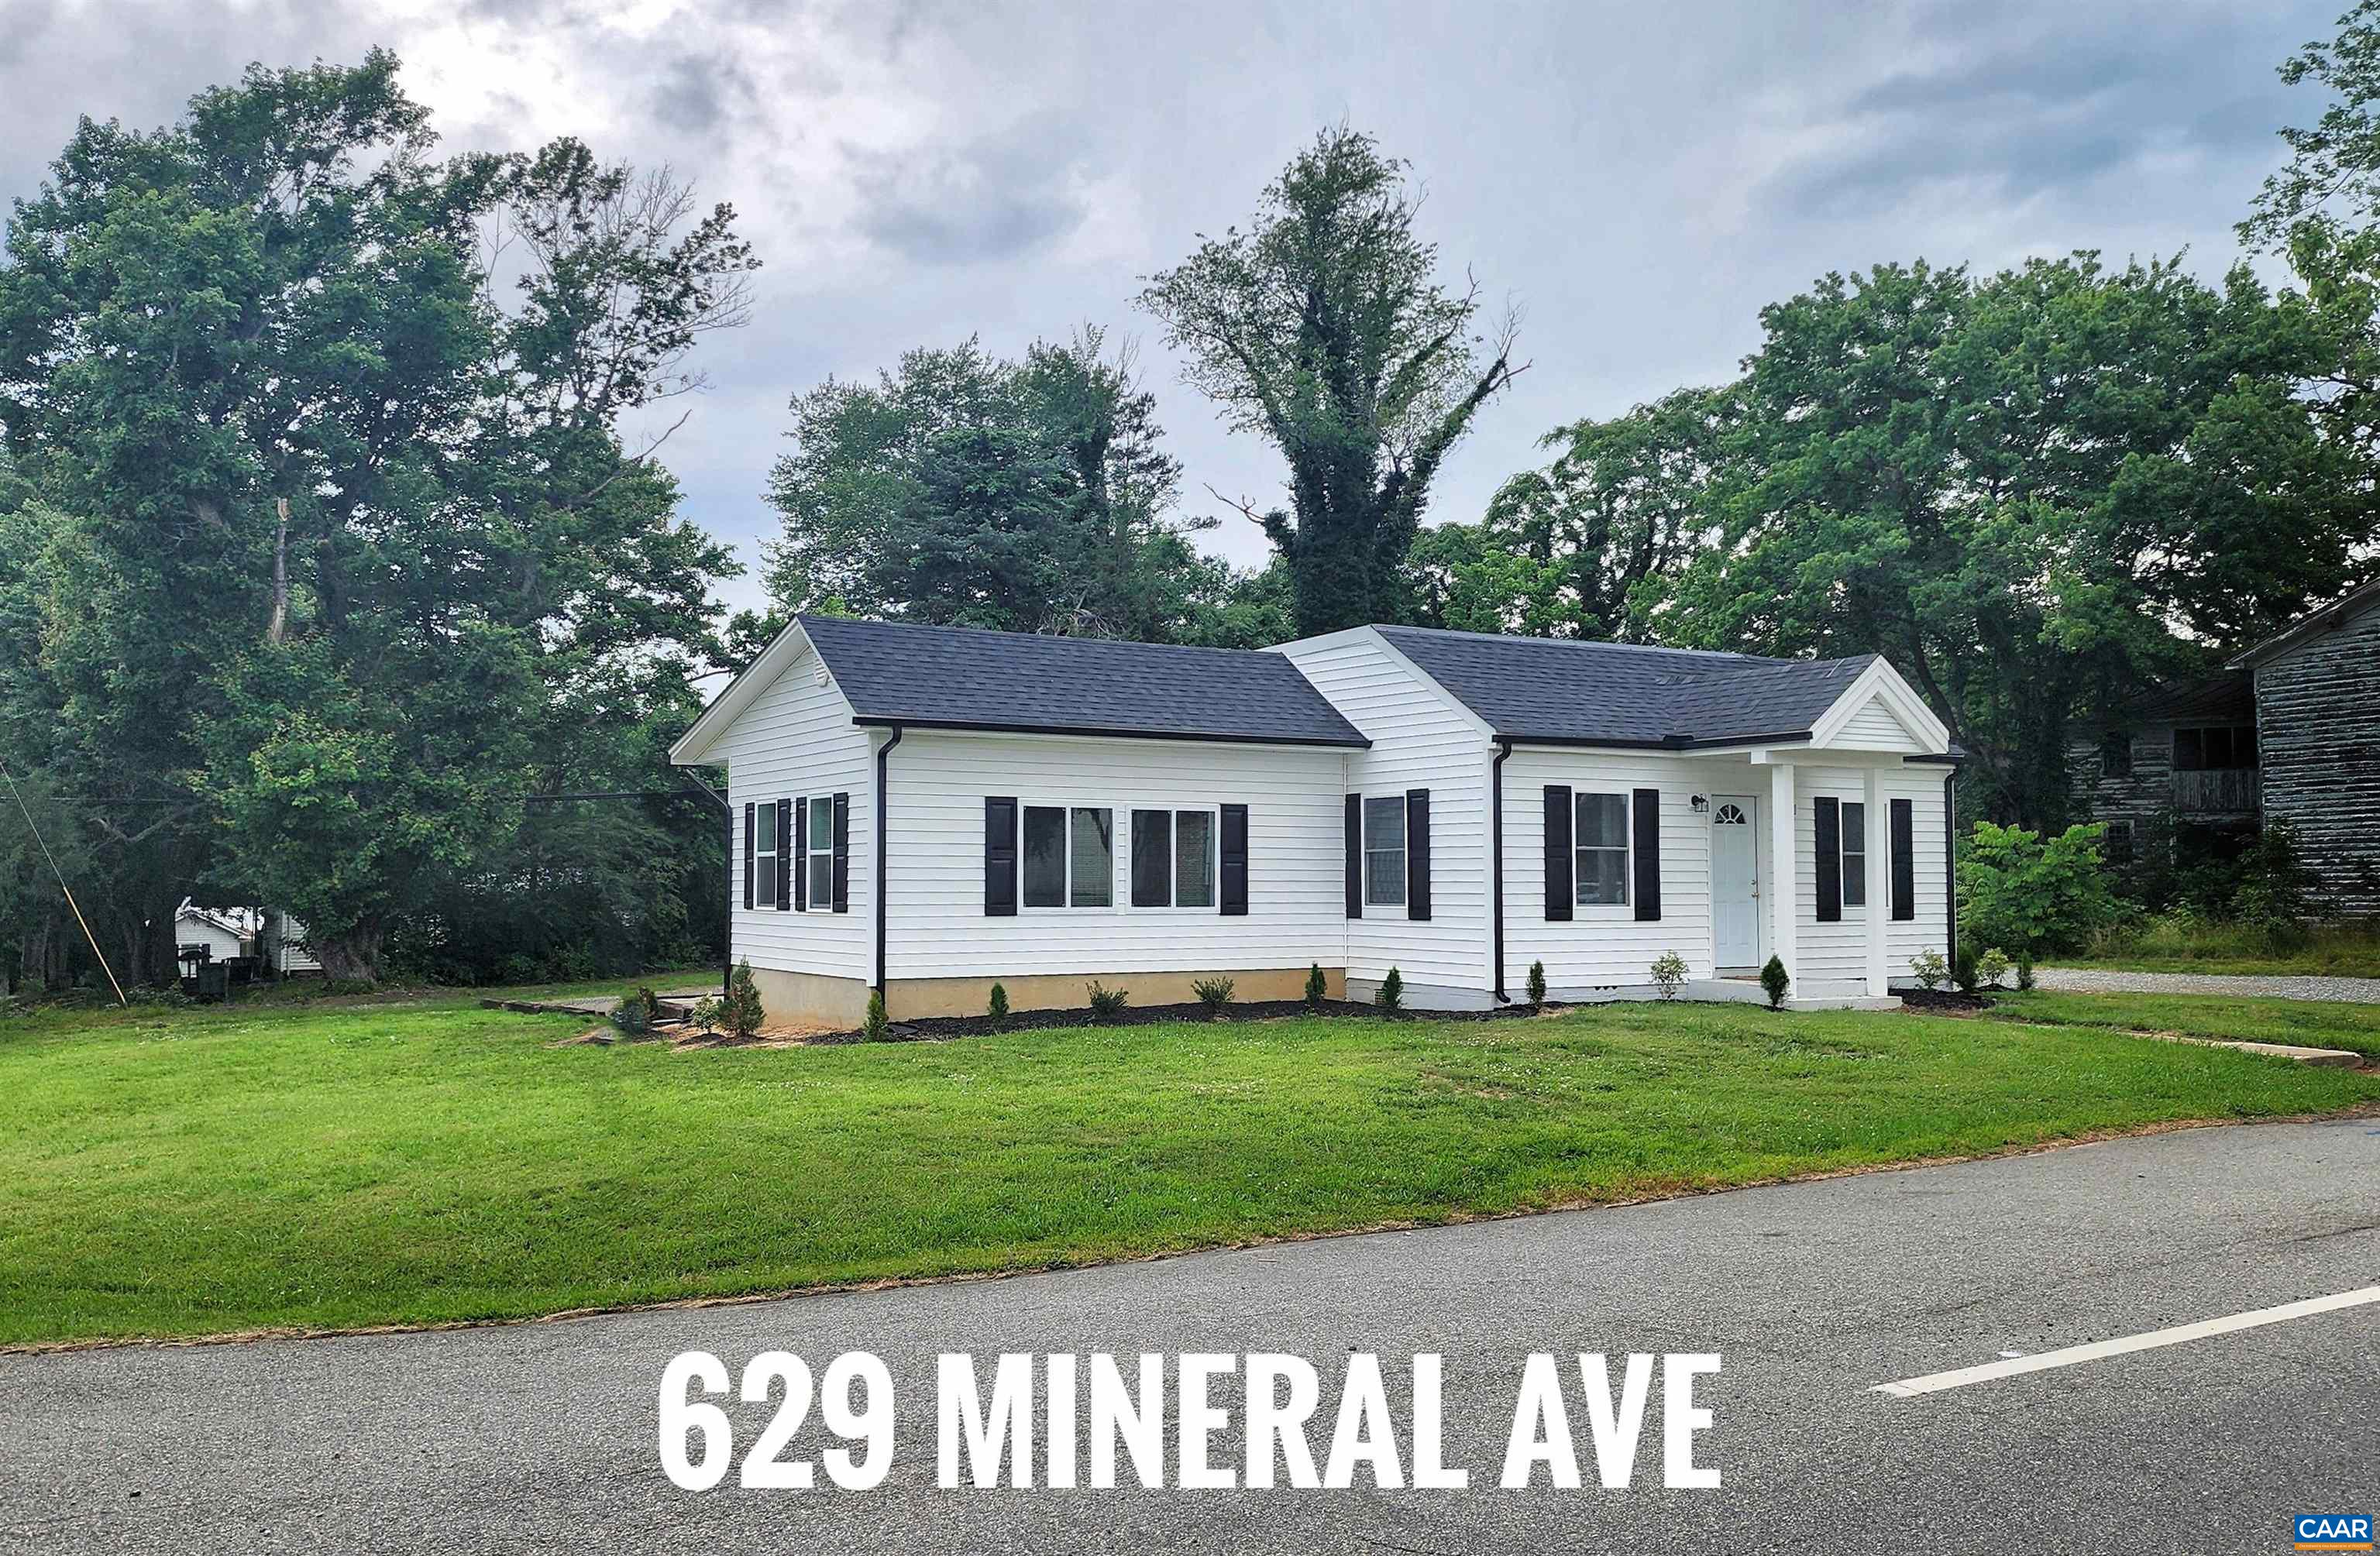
x,y
35,829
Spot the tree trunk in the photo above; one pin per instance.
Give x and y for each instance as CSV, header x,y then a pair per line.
x,y
353,955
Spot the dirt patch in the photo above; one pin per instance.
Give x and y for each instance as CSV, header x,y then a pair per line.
x,y
937,1029
1945,1002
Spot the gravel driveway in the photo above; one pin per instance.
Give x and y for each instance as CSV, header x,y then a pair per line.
x,y
2106,981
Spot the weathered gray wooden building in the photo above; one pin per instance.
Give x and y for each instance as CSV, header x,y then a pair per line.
x,y
2317,689
2291,729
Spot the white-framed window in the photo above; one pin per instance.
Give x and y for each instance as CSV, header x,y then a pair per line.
x,y
765,852
1384,852
820,860
1854,852
1173,857
1068,858
1600,841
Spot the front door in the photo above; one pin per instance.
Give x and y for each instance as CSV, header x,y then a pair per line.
x,y
1735,881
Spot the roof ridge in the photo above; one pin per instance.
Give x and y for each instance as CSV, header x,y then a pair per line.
x,y
806,618
1726,655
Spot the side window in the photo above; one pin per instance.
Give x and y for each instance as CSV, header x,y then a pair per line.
x,y
1854,815
2115,756
1601,842
2119,842
820,864
1069,857
765,854
1384,852
1173,859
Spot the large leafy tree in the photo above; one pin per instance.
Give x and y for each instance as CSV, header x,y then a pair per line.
x,y
1028,496
1592,545
2018,488
354,527
1324,329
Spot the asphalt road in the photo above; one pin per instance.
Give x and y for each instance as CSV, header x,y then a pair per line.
x,y
543,1437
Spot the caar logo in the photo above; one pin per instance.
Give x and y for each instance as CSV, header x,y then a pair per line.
x,y
2333,1531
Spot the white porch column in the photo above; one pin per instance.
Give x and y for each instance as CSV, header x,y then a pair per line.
x,y
1784,889
1879,889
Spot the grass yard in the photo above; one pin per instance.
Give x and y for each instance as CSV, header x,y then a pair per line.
x,y
2316,1023
2332,950
208,1171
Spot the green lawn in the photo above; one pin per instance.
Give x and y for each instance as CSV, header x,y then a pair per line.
x,y
2316,1023
207,1171
2332,950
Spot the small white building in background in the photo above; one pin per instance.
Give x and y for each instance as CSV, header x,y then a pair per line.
x,y
1455,805
231,932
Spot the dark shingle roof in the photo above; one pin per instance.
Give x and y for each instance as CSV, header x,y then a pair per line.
x,y
1562,690
958,678
2222,697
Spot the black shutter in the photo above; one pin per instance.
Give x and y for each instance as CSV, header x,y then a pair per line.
x,y
801,854
1645,817
1355,856
1418,853
842,854
1904,860
784,831
748,854
1561,878
1234,877
999,858
1828,828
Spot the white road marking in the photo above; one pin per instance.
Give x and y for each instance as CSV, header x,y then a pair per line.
x,y
1990,1372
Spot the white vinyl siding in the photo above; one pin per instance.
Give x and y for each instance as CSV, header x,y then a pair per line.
x,y
1833,955
1873,728
798,741
937,927
1605,946
1421,739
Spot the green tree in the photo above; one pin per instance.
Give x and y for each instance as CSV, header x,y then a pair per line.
x,y
960,488
2025,892
353,526
2014,488
1324,329
1614,519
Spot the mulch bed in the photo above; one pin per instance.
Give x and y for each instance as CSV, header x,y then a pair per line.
x,y
1945,1002
934,1028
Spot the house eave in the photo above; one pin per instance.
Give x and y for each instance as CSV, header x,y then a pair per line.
x,y
1192,737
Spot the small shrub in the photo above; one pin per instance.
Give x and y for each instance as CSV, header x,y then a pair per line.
x,y
875,1028
1317,991
1776,981
1213,993
1929,968
2024,971
1536,983
1962,966
707,1013
742,1010
997,1009
1991,967
1670,975
1107,1002
1391,998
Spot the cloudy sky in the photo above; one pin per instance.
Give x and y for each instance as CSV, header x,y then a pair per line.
x,y
1640,178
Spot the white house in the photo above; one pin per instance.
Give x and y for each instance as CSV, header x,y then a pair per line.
x,y
231,932
1055,811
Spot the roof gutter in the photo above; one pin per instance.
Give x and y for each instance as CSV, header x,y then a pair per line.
x,y
883,873
1496,859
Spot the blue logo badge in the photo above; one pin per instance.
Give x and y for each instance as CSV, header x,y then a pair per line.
x,y
2333,1531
